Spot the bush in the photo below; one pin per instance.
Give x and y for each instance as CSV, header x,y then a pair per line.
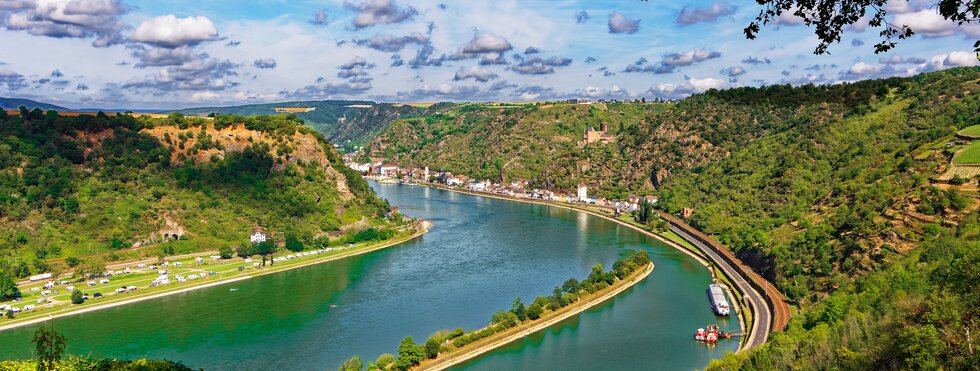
x,y
534,312
76,297
431,348
352,364
504,318
226,252
293,243
244,251
384,361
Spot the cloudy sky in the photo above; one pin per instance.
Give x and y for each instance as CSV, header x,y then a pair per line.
x,y
181,53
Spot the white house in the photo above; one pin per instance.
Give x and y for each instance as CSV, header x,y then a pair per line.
x,y
39,277
258,236
478,186
583,193
386,169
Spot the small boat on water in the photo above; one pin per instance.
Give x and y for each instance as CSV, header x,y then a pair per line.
x,y
718,302
712,334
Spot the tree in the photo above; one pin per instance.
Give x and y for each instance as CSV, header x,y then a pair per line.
x,y
76,297
504,318
72,261
920,347
384,361
409,354
534,311
90,267
226,252
265,249
570,286
830,18
244,250
431,348
293,243
49,347
645,212
8,288
352,364
519,310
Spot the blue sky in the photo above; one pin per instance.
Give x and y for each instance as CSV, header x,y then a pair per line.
x,y
169,54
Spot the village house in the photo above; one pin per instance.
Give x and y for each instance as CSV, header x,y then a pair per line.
x,y
478,186
386,169
258,236
582,193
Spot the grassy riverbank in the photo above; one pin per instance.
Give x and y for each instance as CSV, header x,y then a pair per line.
x,y
225,271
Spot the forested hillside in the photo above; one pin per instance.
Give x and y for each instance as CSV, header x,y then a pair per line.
x,y
839,197
541,142
835,194
72,186
346,123
919,312
831,192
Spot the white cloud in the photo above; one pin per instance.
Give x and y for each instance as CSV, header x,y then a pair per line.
x,y
168,31
486,43
265,63
13,80
690,57
929,23
619,23
707,83
475,72
372,12
691,86
788,17
689,15
204,95
100,19
961,59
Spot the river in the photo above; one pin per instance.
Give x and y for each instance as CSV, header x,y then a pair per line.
x,y
479,255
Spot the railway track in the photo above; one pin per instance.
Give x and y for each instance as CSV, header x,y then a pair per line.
x,y
767,304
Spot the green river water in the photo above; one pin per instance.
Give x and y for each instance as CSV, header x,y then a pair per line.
x,y
479,255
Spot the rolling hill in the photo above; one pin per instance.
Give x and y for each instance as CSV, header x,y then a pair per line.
x,y
14,103
347,123
97,184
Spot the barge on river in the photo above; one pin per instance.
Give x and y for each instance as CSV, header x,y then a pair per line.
x,y
718,302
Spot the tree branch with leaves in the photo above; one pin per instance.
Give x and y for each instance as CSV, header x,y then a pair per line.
x,y
830,18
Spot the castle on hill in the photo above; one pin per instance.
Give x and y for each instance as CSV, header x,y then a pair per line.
x,y
592,135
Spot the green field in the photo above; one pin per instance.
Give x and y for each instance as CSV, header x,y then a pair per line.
x,y
970,131
968,155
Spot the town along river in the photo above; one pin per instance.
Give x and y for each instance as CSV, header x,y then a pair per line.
x,y
480,254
